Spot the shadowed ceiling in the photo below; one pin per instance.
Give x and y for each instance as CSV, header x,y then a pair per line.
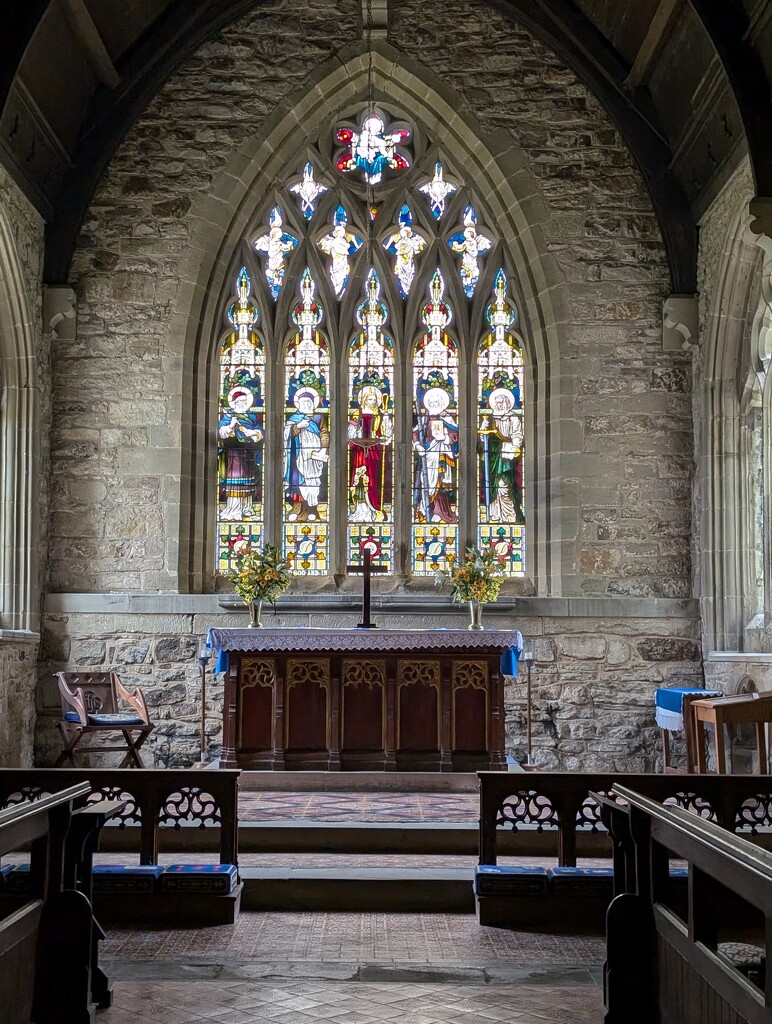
x,y
686,81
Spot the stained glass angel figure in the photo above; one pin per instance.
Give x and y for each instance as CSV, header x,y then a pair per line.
x,y
308,191
340,244
470,245
275,244
372,149
405,244
437,191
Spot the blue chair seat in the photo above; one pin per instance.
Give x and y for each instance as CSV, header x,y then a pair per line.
x,y
116,719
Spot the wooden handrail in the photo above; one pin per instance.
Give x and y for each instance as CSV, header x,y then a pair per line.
x,y
744,855
18,812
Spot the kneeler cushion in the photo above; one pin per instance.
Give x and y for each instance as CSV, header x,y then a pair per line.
x,y
213,878
582,881
500,880
136,878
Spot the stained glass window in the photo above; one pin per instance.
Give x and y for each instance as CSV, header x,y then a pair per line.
x,y
437,191
371,434
307,439
240,431
372,149
340,245
308,190
500,517
470,245
404,245
386,278
435,437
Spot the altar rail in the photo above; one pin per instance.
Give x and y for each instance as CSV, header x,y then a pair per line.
x,y
154,799
562,802
663,964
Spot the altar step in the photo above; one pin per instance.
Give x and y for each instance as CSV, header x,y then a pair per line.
x,y
361,782
383,890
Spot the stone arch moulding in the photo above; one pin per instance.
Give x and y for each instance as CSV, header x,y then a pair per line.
x,y
720,459
502,179
19,439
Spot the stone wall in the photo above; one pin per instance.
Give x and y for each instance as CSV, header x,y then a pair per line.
x,y
18,684
593,678
621,408
120,423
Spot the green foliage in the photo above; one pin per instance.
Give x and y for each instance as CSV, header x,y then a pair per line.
x,y
260,575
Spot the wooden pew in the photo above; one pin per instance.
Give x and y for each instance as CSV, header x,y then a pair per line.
x,y
562,811
32,945
664,965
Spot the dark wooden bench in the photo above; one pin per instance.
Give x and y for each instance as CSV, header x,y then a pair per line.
x,y
91,706
667,962
47,937
153,803
564,812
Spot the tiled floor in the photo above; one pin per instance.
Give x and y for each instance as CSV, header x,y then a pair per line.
x,y
316,1002
384,807
352,969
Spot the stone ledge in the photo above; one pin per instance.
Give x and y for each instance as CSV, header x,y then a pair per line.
x,y
19,636
739,656
524,607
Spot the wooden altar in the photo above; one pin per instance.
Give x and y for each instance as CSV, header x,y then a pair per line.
x,y
367,700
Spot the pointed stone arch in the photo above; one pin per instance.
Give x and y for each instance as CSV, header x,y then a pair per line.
x,y
511,194
736,337
19,442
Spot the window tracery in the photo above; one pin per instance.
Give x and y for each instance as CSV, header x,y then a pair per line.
x,y
414,448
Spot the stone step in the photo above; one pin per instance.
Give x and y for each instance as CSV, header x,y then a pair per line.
x,y
307,836
364,890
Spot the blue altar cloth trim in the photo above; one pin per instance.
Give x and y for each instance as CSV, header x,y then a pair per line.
x,y
221,665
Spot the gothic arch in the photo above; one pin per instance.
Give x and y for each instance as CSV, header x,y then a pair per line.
x,y
734,332
19,443
511,195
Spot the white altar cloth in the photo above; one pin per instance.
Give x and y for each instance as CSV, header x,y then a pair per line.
x,y
310,638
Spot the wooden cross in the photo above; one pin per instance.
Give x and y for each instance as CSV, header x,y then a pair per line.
x,y
368,568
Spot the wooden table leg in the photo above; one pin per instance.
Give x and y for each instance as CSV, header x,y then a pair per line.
x,y
761,745
720,745
665,749
699,737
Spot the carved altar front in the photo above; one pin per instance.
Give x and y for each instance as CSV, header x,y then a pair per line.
x,y
366,700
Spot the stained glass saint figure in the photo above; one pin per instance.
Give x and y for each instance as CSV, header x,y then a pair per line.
x,y
340,245
435,430
240,426
500,434
306,428
372,149
371,432
470,244
437,191
275,244
308,191
405,244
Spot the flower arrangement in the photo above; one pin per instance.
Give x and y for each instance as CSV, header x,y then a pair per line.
x,y
478,578
260,575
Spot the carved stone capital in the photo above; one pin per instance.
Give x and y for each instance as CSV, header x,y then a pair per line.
x,y
60,312
680,323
